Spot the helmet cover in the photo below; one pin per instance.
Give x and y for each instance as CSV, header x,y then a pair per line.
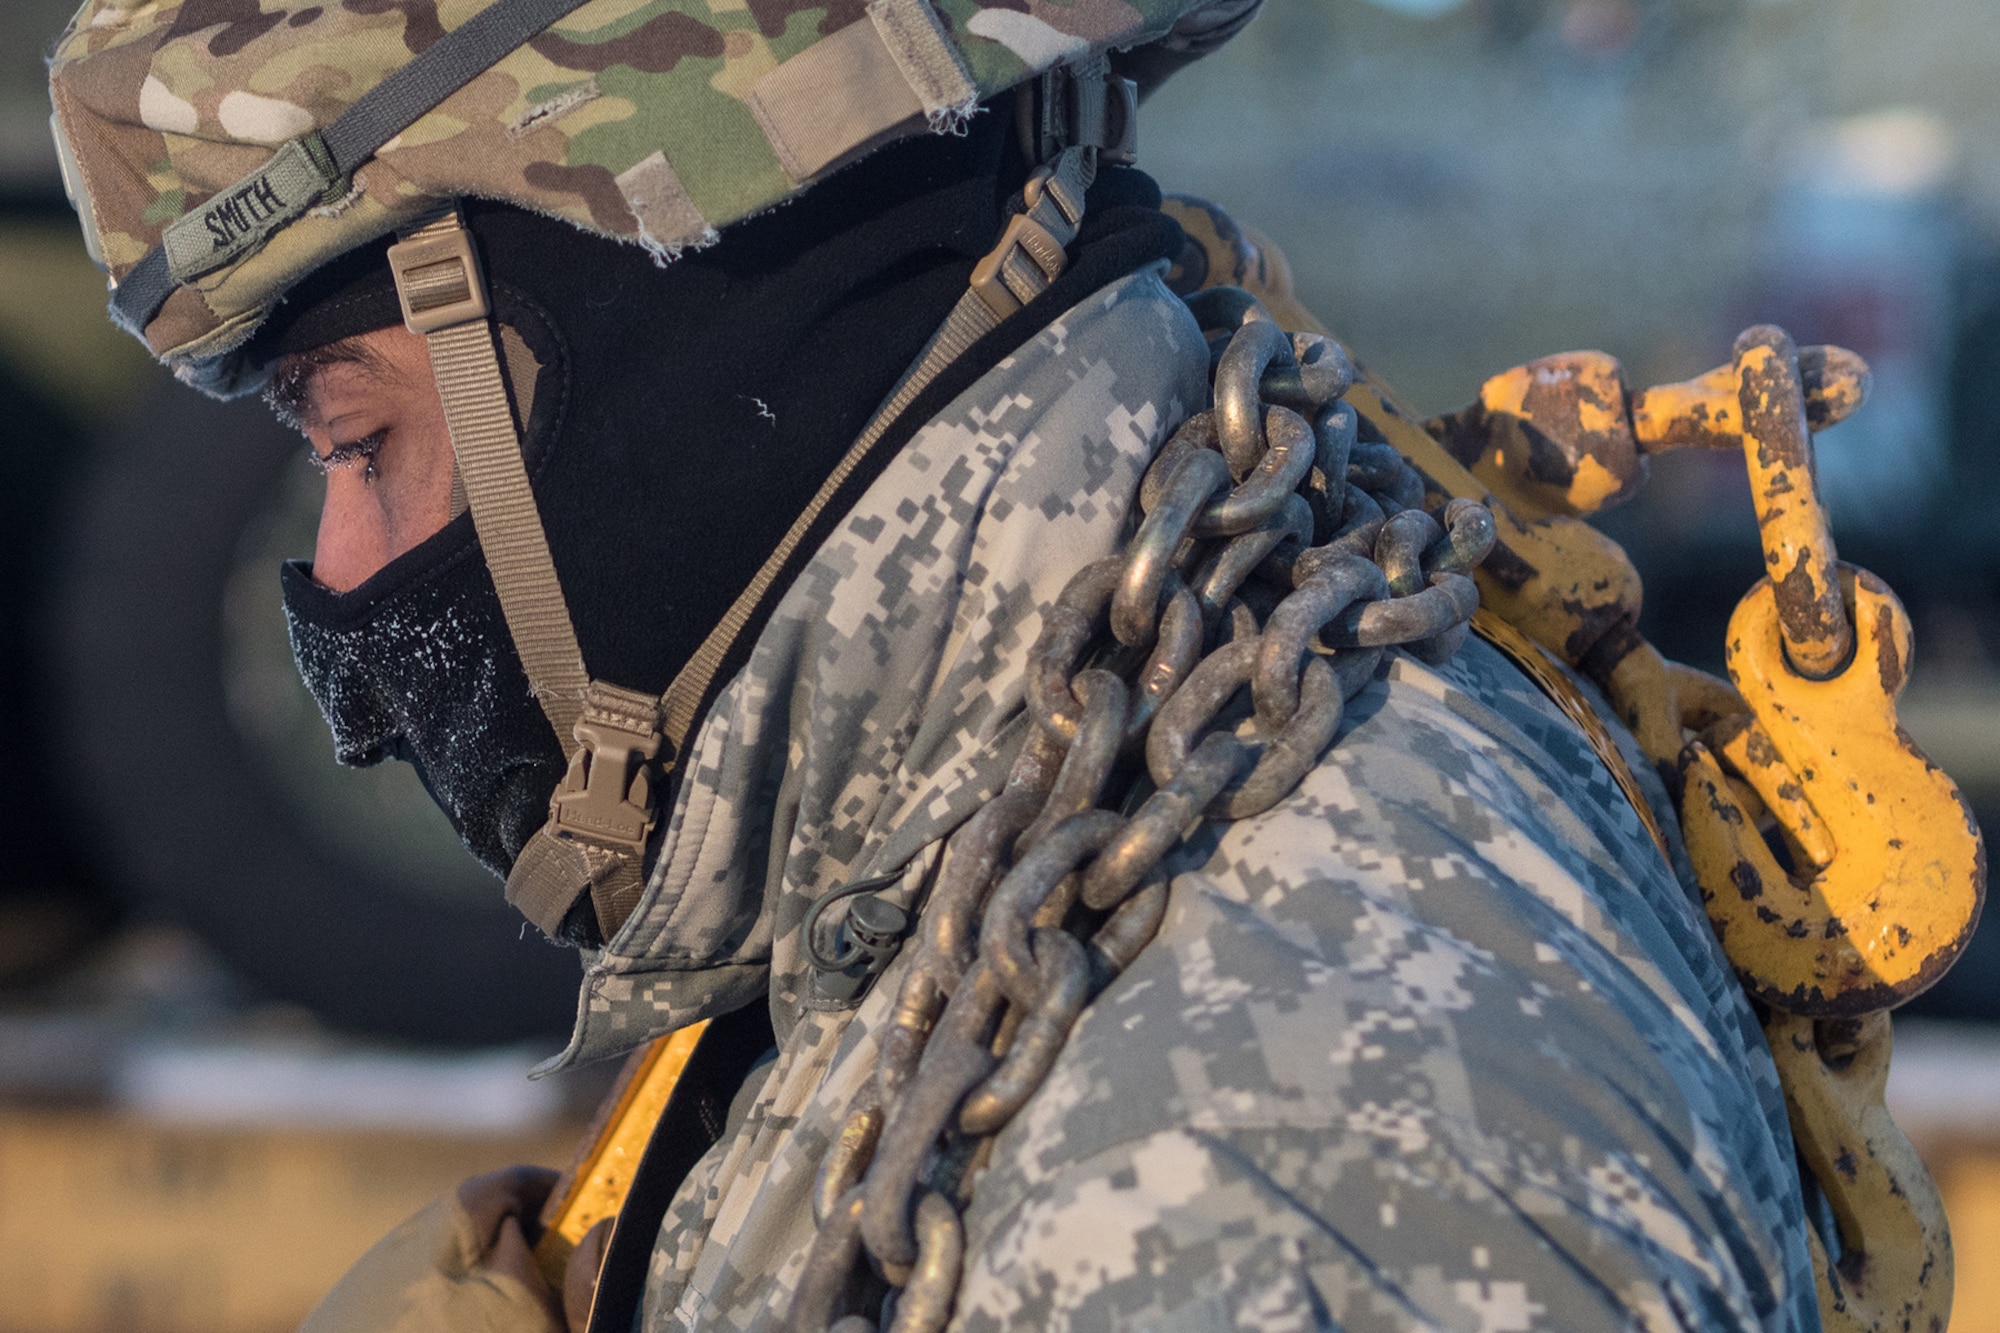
x,y
656,122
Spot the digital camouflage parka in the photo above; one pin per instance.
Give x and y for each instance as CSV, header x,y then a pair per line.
x,y
1440,1041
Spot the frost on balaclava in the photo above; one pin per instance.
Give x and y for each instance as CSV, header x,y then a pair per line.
x,y
682,417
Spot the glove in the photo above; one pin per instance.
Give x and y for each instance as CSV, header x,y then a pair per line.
x,y
462,1265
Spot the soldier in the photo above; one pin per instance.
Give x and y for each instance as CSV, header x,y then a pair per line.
x,y
708,497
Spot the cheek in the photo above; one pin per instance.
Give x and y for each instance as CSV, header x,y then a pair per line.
x,y
414,489
421,505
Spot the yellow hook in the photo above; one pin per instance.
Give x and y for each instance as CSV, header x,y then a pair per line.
x,y
1889,868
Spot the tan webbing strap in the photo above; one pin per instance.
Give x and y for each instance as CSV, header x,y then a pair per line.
x,y
602,812
1002,283
444,299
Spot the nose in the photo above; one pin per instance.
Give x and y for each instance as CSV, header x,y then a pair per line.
x,y
354,531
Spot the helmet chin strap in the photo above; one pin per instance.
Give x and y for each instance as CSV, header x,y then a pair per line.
x,y
602,813
618,740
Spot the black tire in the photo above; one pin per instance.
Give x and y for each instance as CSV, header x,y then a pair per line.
x,y
221,828
53,902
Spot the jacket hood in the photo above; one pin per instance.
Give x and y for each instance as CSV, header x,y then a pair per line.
x,y
882,703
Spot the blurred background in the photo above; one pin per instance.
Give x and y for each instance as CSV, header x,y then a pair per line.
x,y
254,1009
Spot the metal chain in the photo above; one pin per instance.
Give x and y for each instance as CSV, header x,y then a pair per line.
x,y
1278,551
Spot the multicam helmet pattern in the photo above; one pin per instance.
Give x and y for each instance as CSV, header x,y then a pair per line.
x,y
652,121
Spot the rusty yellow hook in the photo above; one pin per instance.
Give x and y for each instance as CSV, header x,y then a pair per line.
x,y
1889,869
1889,1264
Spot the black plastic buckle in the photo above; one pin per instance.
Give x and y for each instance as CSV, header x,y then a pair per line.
x,y
865,942
1084,105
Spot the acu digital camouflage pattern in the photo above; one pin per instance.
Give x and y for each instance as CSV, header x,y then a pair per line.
x,y
1438,1042
652,121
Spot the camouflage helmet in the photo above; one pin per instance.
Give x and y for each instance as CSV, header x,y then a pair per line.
x,y
218,151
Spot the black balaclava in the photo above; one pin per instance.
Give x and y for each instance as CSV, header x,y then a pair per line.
x,y
683,417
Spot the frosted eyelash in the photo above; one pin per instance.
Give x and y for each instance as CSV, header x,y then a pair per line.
x,y
342,455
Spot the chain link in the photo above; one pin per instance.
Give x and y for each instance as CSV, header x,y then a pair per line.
x,y
1280,555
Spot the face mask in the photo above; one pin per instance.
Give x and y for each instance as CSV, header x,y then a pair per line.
x,y
416,664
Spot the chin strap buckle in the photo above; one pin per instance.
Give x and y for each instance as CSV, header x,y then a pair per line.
x,y
1076,117
607,795
1083,105
1033,251
437,276
599,818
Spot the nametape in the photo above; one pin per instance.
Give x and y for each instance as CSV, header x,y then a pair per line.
x,y
239,219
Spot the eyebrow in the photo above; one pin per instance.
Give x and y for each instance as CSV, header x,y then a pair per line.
x,y
290,392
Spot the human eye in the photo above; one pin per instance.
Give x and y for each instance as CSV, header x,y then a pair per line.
x,y
346,455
